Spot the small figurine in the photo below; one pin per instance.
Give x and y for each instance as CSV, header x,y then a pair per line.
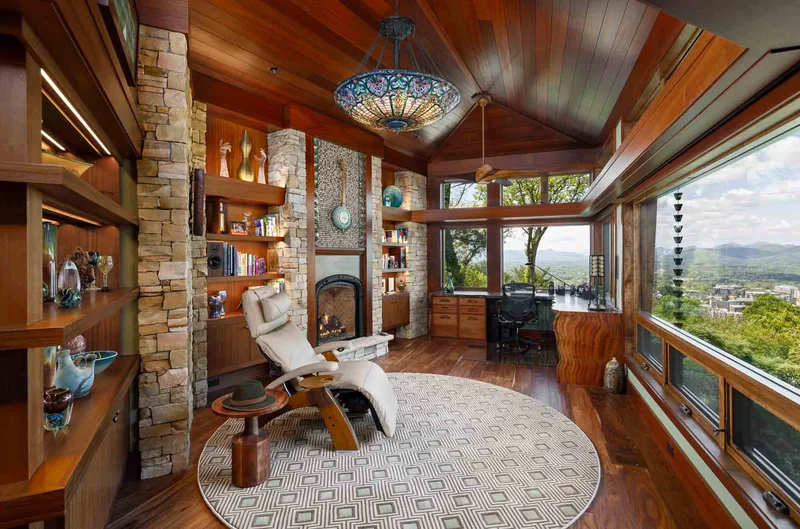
x,y
261,159
215,303
224,149
223,297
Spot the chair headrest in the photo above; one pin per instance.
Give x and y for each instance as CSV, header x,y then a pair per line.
x,y
274,304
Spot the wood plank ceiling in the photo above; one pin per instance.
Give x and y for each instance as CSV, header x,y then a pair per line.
x,y
562,63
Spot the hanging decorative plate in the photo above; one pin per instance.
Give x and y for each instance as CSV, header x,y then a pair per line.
x,y
341,216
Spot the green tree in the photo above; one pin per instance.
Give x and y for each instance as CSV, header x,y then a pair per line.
x,y
463,247
527,191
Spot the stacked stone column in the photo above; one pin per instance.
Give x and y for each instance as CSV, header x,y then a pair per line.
x,y
165,398
287,168
376,264
199,270
414,187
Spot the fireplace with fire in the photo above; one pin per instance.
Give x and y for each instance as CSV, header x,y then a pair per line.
x,y
339,311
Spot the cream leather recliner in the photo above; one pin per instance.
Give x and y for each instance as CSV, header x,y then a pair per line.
x,y
359,383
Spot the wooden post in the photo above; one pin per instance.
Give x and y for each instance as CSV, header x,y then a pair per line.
x,y
21,388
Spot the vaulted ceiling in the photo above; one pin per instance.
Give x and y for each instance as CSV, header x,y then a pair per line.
x,y
555,68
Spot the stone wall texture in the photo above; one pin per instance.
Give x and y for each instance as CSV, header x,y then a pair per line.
x,y
199,270
165,304
377,249
414,188
287,168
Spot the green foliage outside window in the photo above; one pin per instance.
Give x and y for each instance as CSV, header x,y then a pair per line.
x,y
528,191
767,335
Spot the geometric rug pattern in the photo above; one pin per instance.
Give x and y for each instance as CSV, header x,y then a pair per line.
x,y
466,454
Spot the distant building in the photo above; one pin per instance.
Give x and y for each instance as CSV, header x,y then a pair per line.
x,y
726,290
788,293
753,294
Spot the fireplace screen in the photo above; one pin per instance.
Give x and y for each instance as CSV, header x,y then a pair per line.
x,y
339,314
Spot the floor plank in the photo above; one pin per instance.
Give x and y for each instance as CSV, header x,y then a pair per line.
x,y
638,490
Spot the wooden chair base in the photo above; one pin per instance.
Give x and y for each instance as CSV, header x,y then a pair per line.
x,y
343,437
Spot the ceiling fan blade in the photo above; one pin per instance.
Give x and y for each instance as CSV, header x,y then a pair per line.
x,y
511,173
483,173
505,182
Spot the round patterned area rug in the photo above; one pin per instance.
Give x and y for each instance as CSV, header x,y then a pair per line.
x,y
466,454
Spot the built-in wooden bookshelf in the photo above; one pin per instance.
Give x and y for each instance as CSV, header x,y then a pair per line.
x,y
231,349
396,308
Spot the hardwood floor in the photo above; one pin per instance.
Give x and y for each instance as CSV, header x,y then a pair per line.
x,y
638,490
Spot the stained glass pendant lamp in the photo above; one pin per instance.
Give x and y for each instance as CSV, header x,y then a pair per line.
x,y
395,99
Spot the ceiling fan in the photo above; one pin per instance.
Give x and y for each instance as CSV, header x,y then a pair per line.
x,y
485,173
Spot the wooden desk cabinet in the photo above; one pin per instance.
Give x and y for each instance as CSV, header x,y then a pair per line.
x,y
396,310
459,317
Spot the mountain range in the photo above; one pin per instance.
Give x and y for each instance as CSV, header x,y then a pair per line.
x,y
767,260
544,257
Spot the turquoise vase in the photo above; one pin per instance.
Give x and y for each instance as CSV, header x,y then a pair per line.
x,y
392,196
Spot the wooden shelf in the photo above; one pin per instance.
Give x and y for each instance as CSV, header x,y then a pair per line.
x,y
67,453
58,326
64,190
394,270
240,191
227,237
394,244
262,277
396,214
229,318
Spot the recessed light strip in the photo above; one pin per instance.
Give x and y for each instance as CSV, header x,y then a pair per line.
x,y
69,215
74,111
51,140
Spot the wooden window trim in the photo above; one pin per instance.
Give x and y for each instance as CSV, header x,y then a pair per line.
x,y
773,396
737,478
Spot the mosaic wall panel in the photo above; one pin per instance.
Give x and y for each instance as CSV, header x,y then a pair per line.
x,y
328,195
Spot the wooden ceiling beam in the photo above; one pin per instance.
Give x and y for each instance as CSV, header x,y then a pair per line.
x,y
172,15
312,122
397,160
500,213
546,162
224,95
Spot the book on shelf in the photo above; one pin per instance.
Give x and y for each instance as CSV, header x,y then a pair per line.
x,y
236,263
267,226
394,261
399,235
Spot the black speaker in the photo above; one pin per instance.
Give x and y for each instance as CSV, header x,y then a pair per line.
x,y
215,258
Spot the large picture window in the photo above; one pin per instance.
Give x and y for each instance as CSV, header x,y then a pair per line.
x,y
568,187
556,253
465,257
734,238
463,195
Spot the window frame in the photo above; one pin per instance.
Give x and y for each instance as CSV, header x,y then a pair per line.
x,y
696,407
443,256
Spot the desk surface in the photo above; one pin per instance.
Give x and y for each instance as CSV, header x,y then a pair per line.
x,y
565,303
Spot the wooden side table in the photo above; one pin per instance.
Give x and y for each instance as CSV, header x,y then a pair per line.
x,y
250,448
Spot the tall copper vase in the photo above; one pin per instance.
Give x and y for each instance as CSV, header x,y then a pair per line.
x,y
245,170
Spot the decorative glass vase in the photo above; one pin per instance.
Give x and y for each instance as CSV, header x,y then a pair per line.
x,y
449,288
49,266
68,293
57,408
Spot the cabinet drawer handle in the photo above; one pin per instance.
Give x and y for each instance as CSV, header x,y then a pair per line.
x,y
445,317
116,418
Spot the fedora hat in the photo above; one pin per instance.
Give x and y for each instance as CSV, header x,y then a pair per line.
x,y
249,396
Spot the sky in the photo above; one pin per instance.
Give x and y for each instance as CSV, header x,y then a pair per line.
x,y
754,199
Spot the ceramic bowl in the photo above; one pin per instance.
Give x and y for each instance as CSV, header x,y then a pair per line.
x,y
105,358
